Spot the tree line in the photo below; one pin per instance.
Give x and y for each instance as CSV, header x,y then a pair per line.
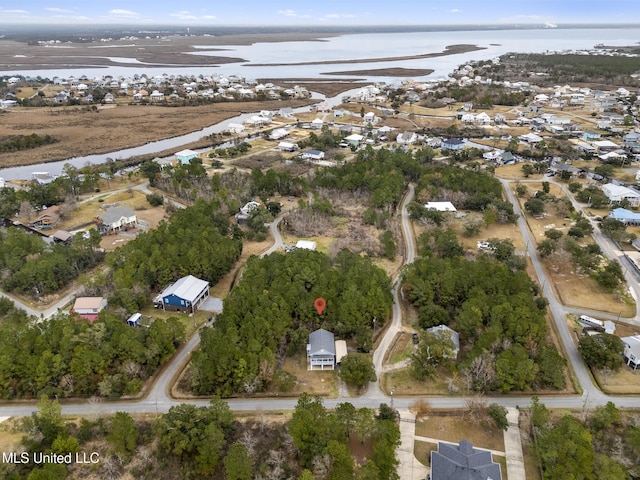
x,y
14,143
270,314
65,356
33,267
209,442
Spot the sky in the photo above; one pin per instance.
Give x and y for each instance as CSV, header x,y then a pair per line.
x,y
320,12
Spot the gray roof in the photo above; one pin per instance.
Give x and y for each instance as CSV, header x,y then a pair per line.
x,y
114,214
321,342
455,337
463,462
187,288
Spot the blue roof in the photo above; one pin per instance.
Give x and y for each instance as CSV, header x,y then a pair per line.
x,y
624,214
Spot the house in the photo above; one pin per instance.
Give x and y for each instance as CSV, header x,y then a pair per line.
x,y
604,146
312,155
321,350
89,307
156,96
278,134
115,219
632,351
183,296
440,330
590,136
530,138
47,217
354,139
618,193
43,178
235,128
453,144
463,462
407,138
625,216
185,156
440,206
287,147
306,245
286,112
317,124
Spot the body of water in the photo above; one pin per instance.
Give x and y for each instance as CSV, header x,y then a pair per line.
x,y
370,45
346,47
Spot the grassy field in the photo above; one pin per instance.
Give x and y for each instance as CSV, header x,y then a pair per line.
x,y
453,428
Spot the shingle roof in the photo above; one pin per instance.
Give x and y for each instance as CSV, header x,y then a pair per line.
x,y
187,288
463,462
321,342
114,214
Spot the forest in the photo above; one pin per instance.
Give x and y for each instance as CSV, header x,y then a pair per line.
x,y
65,356
209,442
597,444
31,266
270,314
494,306
195,241
564,68
14,143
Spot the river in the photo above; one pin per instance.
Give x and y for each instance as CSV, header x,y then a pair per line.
x,y
55,168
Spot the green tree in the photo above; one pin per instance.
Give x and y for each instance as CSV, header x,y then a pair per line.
x,y
123,434
499,415
64,444
546,187
565,451
546,247
238,464
357,369
602,351
432,351
342,464
604,418
515,370
346,415
613,228
306,475
540,415
534,206
48,419
610,276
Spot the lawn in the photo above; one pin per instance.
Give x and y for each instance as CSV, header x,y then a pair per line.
x,y
453,428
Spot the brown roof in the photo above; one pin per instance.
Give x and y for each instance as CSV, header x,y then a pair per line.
x,y
87,303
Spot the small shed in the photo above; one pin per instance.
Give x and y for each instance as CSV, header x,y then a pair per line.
x,y
184,156
134,320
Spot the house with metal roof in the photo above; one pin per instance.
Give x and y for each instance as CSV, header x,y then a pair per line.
x,y
625,216
183,296
89,307
185,156
463,462
321,350
440,206
617,193
632,351
440,330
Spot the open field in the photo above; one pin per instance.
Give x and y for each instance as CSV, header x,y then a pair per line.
x,y
453,428
82,131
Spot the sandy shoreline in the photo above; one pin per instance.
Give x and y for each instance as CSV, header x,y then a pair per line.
x,y
448,50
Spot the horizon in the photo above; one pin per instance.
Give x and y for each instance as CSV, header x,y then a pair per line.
x,y
332,13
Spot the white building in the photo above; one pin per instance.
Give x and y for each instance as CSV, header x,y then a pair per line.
x,y
618,193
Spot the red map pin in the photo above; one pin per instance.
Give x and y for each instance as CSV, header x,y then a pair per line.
x,y
320,305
